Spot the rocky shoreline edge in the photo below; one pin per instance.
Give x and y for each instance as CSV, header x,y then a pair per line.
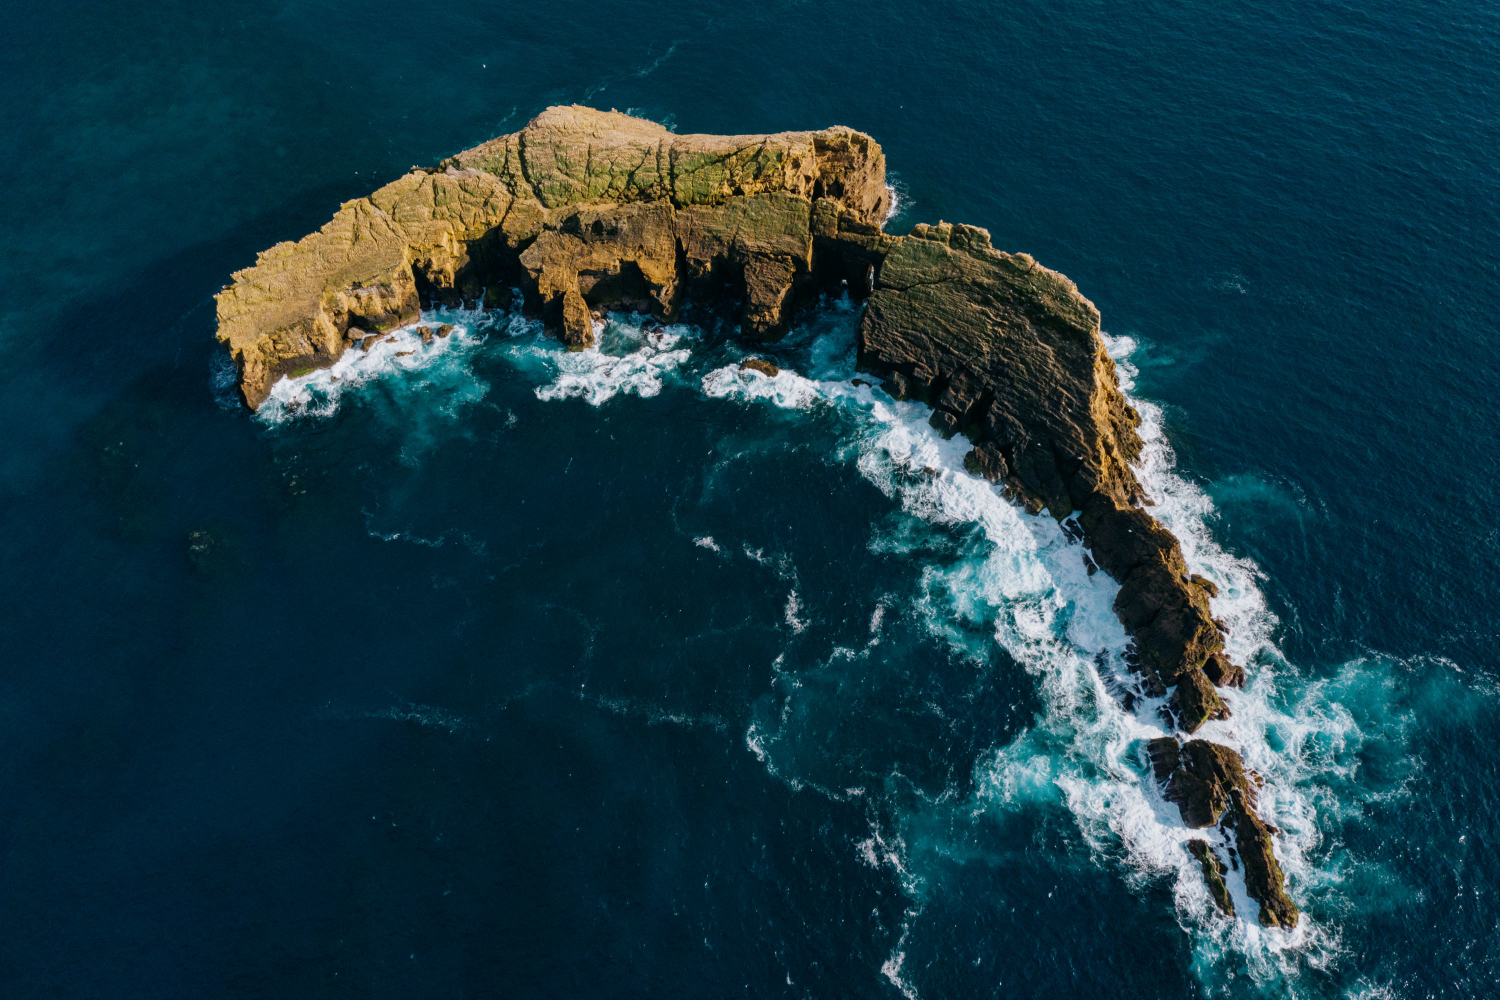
x,y
587,211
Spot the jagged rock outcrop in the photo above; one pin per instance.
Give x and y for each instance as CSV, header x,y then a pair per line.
x,y
1210,785
584,210
1214,871
760,365
587,211
1009,354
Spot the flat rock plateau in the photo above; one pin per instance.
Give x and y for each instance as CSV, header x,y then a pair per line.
x,y
588,211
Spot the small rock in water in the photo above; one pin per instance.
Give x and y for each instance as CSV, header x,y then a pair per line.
x,y
444,330
201,544
405,354
1209,782
425,333
945,423
757,365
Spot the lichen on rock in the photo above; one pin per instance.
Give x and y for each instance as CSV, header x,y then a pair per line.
x,y
583,209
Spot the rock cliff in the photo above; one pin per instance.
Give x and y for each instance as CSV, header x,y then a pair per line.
x,y
583,209
587,211
1009,354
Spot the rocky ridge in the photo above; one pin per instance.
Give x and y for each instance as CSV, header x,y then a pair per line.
x,y
584,210
587,211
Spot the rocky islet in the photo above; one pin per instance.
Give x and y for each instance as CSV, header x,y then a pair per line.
x,y
587,211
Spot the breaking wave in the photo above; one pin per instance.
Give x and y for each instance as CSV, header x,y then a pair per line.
x,y
401,363
1025,576
1018,581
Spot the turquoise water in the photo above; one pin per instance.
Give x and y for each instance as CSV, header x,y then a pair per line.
x,y
497,670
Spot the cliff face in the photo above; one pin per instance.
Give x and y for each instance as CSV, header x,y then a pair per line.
x,y
1009,354
583,209
587,211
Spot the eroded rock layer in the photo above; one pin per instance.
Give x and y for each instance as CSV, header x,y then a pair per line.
x,y
1010,354
587,211
583,209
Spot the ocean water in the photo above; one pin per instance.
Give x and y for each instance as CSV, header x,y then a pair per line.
x,y
493,670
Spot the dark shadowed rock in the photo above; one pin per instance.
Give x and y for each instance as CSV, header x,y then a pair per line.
x,y
1203,784
1213,874
1209,783
1163,752
1263,877
1194,700
1222,672
1010,354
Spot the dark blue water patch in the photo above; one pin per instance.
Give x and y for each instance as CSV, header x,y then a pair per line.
x,y
488,622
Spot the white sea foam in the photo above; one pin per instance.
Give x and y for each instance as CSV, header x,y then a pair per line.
x,y
900,199
440,365
1030,583
793,614
1023,578
626,358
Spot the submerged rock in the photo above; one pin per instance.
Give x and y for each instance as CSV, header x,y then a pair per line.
x,y
201,547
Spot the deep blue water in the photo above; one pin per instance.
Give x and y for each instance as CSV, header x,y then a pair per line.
x,y
489,685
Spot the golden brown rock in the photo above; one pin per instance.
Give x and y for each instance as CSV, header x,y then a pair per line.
x,y
1010,354
584,209
760,365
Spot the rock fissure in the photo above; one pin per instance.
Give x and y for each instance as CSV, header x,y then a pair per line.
x,y
589,211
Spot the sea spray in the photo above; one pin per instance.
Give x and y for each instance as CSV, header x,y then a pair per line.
x,y
402,361
1000,577
1029,580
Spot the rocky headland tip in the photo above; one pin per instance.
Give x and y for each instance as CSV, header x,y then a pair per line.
x,y
587,211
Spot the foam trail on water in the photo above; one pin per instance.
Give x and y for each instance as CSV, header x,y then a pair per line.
x,y
1029,580
630,355
1024,579
400,361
